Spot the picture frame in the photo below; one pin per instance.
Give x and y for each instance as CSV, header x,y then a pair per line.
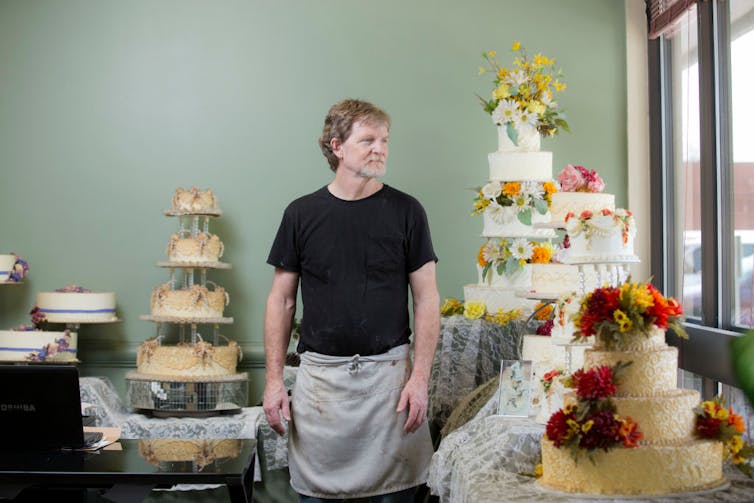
x,y
515,388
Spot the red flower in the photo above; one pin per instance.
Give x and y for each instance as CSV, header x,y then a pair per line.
x,y
585,215
549,376
604,432
707,427
569,215
606,211
557,429
545,328
594,384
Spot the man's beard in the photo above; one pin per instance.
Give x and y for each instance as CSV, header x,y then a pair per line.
x,y
368,172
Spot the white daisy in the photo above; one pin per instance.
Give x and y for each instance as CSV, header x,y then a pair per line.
x,y
521,249
497,213
528,118
490,251
521,203
492,190
505,112
516,78
532,189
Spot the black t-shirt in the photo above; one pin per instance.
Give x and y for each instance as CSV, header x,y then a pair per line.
x,y
353,260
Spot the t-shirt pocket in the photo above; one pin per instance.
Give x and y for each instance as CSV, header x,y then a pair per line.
x,y
385,257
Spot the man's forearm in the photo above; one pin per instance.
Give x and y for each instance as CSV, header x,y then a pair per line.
x,y
426,333
277,335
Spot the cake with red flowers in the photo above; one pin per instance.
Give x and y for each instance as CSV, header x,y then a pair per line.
x,y
628,429
601,237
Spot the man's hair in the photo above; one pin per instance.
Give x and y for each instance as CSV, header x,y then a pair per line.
x,y
340,120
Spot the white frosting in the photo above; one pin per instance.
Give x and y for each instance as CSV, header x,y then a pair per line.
x,y
65,307
557,279
517,166
506,224
498,298
576,202
7,261
601,239
529,139
37,345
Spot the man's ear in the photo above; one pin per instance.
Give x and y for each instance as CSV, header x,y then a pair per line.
x,y
336,147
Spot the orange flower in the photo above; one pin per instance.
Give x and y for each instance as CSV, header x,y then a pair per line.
x,y
736,421
541,255
629,432
586,214
569,216
480,257
549,188
544,311
511,188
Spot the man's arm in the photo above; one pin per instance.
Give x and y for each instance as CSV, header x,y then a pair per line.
x,y
278,317
426,301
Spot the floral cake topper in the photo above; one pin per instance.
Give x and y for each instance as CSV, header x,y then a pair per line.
x,y
579,179
523,94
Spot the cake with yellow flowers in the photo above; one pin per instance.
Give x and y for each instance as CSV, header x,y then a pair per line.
x,y
627,430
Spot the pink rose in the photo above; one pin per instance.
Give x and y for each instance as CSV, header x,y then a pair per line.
x,y
570,179
596,184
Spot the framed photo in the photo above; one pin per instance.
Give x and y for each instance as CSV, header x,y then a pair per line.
x,y
515,388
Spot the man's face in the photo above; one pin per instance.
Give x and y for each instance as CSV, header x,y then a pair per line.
x,y
365,151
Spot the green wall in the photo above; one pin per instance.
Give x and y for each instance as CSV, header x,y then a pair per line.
x,y
107,106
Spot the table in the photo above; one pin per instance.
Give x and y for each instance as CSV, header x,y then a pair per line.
x,y
126,467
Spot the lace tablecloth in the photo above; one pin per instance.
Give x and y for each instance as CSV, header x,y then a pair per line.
x,y
488,459
468,354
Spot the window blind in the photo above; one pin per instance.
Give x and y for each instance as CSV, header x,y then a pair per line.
x,y
663,15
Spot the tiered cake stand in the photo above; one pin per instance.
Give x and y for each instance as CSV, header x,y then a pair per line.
x,y
185,396
606,272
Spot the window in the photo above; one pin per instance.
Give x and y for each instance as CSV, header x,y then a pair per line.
x,y
702,158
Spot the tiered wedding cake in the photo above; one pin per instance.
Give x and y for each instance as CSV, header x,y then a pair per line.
x,y
189,303
629,416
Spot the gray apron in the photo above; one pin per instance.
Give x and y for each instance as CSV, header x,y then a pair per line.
x,y
345,439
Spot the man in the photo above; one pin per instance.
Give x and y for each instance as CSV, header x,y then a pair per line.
x,y
357,420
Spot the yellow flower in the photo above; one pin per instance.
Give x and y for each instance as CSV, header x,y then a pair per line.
x,y
735,444
622,320
637,295
541,60
516,46
587,426
451,307
511,188
538,470
709,408
501,92
492,54
474,310
559,86
722,414
482,70
549,188
536,107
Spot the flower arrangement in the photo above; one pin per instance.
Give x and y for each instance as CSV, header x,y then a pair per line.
x,y
474,310
504,201
580,179
19,270
550,377
522,96
509,256
585,223
50,350
715,421
592,423
616,314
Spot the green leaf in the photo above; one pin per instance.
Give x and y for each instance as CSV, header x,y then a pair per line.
x,y
742,355
541,206
512,133
525,216
512,266
486,270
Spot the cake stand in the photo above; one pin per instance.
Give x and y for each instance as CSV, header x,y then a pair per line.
x,y
201,396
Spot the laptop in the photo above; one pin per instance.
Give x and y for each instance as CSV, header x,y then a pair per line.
x,y
40,408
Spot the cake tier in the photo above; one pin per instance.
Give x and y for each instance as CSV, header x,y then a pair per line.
x,y
557,279
72,307
495,298
7,262
517,166
576,202
502,221
38,345
194,199
528,140
638,341
602,238
537,348
199,451
647,470
194,302
651,373
187,360
519,280
664,419
202,248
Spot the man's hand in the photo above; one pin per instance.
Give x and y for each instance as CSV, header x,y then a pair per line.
x,y
275,402
414,395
